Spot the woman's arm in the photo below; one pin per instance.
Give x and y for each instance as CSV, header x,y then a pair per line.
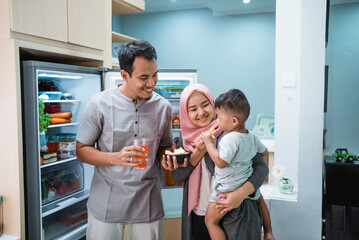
x,y
235,198
260,172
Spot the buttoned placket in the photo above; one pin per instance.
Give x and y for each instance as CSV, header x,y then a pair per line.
x,y
136,123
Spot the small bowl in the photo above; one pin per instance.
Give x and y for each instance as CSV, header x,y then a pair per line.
x,y
180,157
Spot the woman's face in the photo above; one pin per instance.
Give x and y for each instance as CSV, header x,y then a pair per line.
x,y
200,111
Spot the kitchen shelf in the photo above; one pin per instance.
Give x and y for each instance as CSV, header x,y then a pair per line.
x,y
63,125
127,6
61,101
64,202
61,161
270,191
118,37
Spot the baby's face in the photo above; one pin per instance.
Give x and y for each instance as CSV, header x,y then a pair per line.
x,y
227,120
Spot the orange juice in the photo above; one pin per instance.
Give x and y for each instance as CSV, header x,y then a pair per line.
x,y
144,163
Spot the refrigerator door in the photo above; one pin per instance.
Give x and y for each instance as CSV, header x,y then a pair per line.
x,y
58,182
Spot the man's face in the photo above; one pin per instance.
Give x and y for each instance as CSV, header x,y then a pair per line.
x,y
143,79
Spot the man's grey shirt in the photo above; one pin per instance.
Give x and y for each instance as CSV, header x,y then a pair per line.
x,y
112,120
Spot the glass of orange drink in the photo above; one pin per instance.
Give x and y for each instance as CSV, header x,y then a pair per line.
x,y
142,142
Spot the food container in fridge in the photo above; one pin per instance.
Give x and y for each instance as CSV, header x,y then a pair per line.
x,y
67,96
52,143
61,180
67,145
52,108
53,95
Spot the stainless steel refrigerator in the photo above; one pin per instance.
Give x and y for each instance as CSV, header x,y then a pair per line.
x,y
57,185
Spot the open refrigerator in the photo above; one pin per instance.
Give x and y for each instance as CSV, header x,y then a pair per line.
x,y
57,185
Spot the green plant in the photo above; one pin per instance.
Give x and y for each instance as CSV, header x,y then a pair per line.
x,y
44,118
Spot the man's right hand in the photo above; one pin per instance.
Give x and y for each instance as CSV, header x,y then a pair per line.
x,y
126,157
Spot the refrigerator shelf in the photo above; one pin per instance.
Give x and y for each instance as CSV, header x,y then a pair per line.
x,y
58,162
62,101
63,125
62,203
75,234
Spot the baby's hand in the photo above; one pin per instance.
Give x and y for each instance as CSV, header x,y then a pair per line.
x,y
207,137
200,144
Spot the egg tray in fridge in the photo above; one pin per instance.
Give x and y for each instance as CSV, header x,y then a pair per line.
x,y
173,91
61,180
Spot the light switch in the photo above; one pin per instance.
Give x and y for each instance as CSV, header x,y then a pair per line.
x,y
289,80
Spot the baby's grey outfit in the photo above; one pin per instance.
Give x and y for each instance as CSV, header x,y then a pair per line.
x,y
237,149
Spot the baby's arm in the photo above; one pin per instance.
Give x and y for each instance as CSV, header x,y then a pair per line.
x,y
212,150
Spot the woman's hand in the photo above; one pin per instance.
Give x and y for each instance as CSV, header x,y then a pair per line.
x,y
171,164
232,201
235,198
200,145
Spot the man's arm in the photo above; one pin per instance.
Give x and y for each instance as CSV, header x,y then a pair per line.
x,y
90,155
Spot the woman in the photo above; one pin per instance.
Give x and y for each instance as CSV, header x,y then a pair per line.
x,y
197,116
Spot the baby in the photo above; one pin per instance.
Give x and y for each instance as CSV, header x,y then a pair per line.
x,y
233,158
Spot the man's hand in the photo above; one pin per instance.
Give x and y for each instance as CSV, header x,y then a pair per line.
x,y
126,157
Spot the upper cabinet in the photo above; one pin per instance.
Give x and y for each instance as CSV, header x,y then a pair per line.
x,y
121,7
127,6
42,18
79,22
86,23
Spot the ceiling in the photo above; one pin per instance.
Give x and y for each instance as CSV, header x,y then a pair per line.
x,y
220,7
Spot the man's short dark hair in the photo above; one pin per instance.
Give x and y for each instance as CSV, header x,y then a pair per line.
x,y
235,101
129,51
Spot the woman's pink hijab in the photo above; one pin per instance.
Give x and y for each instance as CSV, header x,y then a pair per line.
x,y
190,133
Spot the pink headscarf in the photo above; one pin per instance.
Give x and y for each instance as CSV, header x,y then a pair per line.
x,y
190,133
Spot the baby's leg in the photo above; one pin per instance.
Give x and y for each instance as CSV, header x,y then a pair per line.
x,y
212,218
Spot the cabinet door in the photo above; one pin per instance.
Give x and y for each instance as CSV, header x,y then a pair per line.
x,y
87,23
42,18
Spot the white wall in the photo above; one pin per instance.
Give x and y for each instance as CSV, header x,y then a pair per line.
x,y
300,49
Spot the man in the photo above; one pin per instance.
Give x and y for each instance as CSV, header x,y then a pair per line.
x,y
120,193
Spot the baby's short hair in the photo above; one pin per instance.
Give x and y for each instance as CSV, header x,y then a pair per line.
x,y
235,101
